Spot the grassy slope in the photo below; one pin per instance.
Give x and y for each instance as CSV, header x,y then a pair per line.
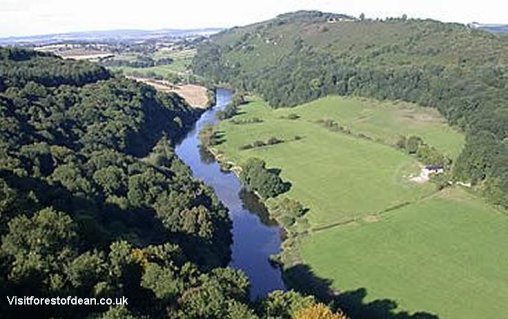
x,y
319,178
445,255
386,120
442,254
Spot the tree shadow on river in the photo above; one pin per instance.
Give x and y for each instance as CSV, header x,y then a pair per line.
x,y
253,205
302,279
206,156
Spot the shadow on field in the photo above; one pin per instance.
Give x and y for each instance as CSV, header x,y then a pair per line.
x,y
219,137
302,279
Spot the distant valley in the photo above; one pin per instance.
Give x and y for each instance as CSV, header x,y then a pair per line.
x,y
106,36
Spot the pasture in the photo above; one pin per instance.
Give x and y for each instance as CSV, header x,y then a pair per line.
x,y
440,252
337,176
445,255
385,121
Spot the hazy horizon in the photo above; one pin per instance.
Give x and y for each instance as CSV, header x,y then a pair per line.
x,y
32,18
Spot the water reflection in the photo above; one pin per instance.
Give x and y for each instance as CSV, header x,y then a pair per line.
x,y
251,203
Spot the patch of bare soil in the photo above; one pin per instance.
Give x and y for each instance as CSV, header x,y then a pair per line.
x,y
80,54
371,219
195,95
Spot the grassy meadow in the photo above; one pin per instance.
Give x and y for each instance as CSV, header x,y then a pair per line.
x,y
436,253
445,255
385,121
334,183
319,178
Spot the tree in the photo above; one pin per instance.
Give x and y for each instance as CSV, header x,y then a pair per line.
x,y
257,177
228,112
39,244
71,176
239,310
284,305
401,142
362,16
112,180
495,190
235,283
117,312
412,144
238,99
318,311
286,210
86,270
162,281
7,198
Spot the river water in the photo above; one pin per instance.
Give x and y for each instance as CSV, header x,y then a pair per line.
x,y
254,237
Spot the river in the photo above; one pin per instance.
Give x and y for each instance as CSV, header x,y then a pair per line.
x,y
254,237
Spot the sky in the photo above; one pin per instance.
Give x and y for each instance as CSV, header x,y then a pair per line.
x,y
33,17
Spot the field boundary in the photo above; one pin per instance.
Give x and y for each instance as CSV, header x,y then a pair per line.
x,y
376,214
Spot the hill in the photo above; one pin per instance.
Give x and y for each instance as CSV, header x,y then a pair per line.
x,y
298,57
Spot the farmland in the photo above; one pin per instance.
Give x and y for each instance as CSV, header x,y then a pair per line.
x,y
444,255
411,241
318,178
181,60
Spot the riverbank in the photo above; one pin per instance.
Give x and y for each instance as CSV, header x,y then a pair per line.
x,y
294,225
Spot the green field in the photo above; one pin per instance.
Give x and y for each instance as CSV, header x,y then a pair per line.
x,y
318,178
181,61
441,253
446,255
386,120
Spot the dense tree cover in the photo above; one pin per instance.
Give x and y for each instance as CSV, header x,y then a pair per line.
x,y
262,180
299,57
94,202
18,67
